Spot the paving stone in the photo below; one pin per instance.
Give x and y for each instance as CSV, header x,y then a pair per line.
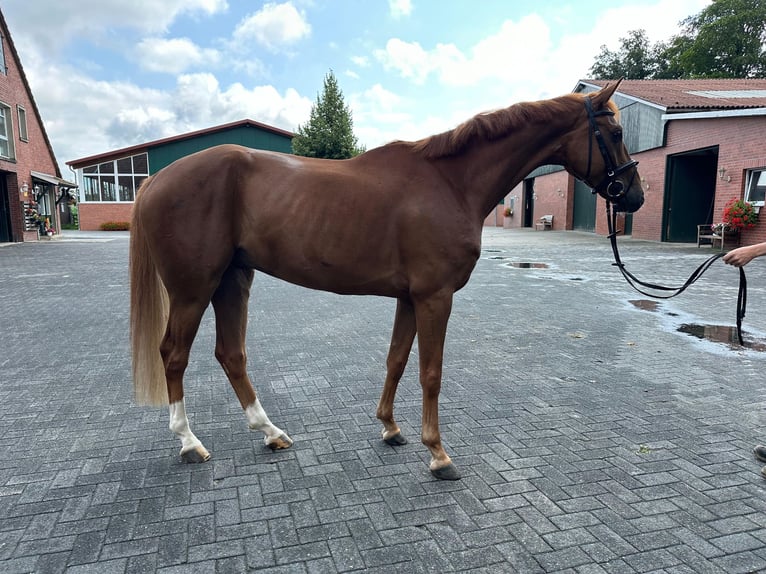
x,y
591,435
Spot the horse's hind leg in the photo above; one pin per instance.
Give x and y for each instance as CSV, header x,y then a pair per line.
x,y
230,305
398,353
183,322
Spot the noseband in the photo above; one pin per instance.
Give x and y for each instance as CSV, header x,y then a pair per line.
x,y
611,188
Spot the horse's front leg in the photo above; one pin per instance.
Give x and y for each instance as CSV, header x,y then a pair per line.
x,y
432,315
398,353
230,305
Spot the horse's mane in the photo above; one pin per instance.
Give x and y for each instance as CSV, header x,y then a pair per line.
x,y
493,125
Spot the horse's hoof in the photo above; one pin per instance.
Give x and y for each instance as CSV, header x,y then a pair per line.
x,y
279,443
395,440
448,472
195,455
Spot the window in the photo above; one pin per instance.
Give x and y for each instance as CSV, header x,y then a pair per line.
x,y
115,180
3,69
755,186
6,133
22,123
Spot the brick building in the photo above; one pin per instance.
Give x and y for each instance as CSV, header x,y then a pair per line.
x,y
700,143
33,195
109,181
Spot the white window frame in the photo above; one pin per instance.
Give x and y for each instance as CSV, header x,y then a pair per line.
x,y
753,178
99,179
22,114
8,136
3,67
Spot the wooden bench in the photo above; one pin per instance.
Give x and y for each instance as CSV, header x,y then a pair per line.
x,y
705,235
545,222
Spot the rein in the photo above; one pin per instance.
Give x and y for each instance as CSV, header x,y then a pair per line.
x,y
668,292
612,189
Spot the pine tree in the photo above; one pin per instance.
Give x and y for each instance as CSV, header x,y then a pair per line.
x,y
329,132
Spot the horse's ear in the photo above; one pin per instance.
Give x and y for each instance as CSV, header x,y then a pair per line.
x,y
601,97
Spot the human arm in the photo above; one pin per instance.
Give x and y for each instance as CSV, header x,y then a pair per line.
x,y
743,255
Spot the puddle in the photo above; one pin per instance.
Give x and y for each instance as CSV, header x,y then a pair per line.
x,y
647,305
644,304
497,257
527,265
721,334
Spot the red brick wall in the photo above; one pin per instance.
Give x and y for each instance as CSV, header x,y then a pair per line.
x,y
553,196
92,215
742,145
32,155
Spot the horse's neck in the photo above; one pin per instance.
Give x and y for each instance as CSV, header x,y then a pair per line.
x,y
489,170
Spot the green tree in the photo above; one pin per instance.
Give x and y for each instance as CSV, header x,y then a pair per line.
x,y
635,60
727,39
329,131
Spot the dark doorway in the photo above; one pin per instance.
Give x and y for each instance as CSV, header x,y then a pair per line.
x,y
584,211
689,194
529,201
5,212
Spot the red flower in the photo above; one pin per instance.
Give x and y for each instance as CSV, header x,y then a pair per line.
x,y
739,214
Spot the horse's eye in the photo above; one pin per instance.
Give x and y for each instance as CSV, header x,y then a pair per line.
x,y
617,136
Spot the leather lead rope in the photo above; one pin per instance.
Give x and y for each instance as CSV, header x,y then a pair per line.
x,y
668,292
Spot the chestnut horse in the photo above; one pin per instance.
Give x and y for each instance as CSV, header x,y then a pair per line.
x,y
403,220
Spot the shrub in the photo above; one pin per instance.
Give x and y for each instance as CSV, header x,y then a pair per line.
x,y
115,226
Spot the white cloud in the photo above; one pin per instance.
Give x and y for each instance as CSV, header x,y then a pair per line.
x,y
524,59
173,55
198,101
361,61
517,49
400,8
273,26
407,58
93,18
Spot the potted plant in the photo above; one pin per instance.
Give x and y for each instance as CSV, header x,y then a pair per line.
x,y
738,214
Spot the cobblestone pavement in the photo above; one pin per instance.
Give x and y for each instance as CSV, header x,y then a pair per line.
x,y
592,435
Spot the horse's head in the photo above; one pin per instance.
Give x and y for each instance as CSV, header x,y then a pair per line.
x,y
603,162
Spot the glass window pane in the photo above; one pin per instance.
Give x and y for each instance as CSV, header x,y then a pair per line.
x,y
90,169
124,166
140,164
126,187
757,188
108,188
107,167
5,148
90,186
22,124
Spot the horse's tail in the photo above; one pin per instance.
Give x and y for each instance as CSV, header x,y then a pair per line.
x,y
148,315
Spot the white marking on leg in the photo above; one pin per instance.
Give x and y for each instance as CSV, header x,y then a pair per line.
x,y
258,420
179,424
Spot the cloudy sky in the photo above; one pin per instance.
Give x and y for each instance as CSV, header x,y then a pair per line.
x,y
113,73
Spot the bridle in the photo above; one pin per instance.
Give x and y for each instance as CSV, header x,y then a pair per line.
x,y
612,190
610,187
